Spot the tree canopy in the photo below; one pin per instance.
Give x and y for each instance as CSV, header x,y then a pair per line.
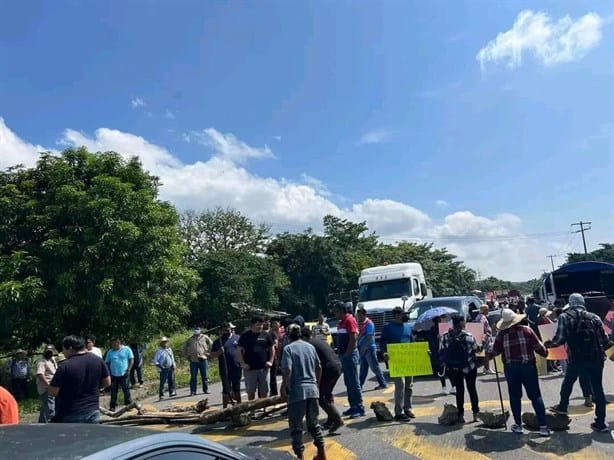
x,y
86,246
603,254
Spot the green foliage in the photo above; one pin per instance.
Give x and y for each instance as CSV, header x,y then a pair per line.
x,y
226,252
494,284
85,246
604,254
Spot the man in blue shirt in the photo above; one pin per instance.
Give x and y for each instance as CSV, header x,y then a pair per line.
x,y
367,350
398,331
120,361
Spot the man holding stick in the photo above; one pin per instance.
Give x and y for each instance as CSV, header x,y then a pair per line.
x,y
225,350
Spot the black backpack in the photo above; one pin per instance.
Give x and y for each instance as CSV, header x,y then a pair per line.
x,y
456,356
583,341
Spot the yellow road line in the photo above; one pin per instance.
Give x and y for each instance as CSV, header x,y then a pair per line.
x,y
334,450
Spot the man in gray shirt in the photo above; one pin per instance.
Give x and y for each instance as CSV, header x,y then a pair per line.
x,y
301,377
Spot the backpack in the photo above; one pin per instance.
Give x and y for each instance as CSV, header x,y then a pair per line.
x,y
456,356
583,341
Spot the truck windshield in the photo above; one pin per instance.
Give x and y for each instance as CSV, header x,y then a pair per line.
x,y
389,289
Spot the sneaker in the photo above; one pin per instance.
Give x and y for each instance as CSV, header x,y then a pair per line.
x,y
327,424
445,390
161,397
490,372
599,428
334,426
348,412
453,390
544,431
588,401
357,414
461,420
475,417
381,387
557,410
402,418
409,413
173,394
517,429
112,409
193,393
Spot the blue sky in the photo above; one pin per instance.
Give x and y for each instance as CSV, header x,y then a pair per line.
x,y
377,111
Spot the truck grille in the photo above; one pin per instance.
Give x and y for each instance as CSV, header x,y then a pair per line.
x,y
379,320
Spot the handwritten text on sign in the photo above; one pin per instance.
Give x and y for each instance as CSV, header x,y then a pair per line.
x,y
409,359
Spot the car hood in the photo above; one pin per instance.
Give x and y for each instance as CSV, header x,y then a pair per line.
x,y
259,453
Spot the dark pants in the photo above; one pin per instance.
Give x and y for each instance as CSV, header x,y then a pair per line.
x,y
592,373
524,375
273,379
297,411
167,376
136,375
458,379
197,367
116,383
326,401
231,382
86,417
19,389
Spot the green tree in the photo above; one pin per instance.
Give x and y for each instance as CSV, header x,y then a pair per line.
x,y
226,249
86,246
603,254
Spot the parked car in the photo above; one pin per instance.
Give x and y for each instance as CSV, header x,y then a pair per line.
x,y
468,306
59,441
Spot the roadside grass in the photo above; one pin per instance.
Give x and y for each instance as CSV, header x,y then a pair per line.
x,y
31,405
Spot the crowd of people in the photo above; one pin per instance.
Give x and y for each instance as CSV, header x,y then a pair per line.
x,y
310,367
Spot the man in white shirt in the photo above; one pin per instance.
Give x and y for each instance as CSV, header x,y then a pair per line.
x,y
90,346
321,330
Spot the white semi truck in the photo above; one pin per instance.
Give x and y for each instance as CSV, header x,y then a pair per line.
x,y
382,288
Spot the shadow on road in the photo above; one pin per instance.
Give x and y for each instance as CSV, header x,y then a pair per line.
x,y
486,441
560,443
424,428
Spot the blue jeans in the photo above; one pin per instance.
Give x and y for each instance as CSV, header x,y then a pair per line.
x,y
195,368
350,378
47,408
86,417
369,360
524,375
167,375
591,379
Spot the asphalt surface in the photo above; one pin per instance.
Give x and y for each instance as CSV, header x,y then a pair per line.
x,y
423,437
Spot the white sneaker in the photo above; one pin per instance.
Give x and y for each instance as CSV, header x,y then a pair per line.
x,y
544,431
517,429
445,389
453,390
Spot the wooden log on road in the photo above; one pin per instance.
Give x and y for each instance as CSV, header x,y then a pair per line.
x,y
123,410
204,418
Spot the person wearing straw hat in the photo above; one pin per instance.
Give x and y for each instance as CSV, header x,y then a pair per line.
x,y
544,316
517,345
164,360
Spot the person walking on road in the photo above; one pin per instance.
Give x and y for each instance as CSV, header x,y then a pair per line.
x,y
120,361
164,360
458,348
77,383
302,371
347,338
586,341
367,350
399,331
255,356
331,371
517,344
225,350
46,367
482,317
196,350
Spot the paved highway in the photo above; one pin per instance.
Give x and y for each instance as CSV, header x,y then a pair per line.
x,y
423,437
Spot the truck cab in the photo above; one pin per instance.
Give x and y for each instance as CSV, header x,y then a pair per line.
x,y
382,288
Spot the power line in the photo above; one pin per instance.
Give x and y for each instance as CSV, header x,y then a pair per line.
x,y
582,230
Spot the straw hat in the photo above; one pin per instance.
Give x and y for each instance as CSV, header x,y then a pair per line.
x,y
164,339
544,311
509,319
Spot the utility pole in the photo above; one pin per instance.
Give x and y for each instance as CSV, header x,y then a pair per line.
x,y
551,260
582,230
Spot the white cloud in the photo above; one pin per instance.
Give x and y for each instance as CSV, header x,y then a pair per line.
x,y
229,147
137,102
169,115
378,136
549,42
442,203
15,151
494,246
